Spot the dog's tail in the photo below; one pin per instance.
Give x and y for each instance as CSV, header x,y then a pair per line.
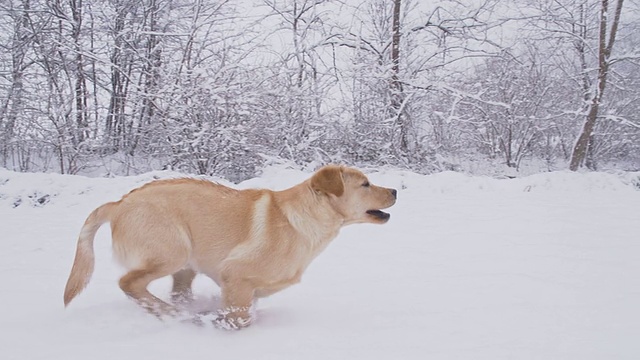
x,y
84,261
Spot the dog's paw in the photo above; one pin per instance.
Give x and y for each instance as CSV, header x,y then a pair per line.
x,y
233,318
181,298
203,318
231,322
225,322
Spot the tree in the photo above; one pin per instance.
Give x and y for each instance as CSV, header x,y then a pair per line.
x,y
301,77
130,86
606,39
397,96
13,104
117,128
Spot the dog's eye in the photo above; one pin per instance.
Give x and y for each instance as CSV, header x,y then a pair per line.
x,y
366,184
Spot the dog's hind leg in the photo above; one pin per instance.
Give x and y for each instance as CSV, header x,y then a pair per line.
x,y
181,291
135,282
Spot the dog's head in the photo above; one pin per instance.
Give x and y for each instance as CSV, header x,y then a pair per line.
x,y
352,195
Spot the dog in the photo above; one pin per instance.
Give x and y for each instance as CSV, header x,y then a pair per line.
x,y
252,243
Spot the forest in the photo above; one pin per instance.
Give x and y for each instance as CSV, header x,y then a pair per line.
x,y
221,87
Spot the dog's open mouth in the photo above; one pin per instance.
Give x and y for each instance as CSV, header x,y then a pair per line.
x,y
381,215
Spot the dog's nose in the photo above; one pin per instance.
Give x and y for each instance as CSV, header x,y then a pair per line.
x,y
394,192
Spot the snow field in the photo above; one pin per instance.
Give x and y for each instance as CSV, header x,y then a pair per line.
x,y
541,267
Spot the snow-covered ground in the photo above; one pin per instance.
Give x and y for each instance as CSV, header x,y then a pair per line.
x,y
541,267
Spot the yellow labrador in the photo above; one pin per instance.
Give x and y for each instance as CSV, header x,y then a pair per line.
x,y
252,243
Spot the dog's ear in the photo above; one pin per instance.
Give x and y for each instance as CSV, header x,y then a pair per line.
x,y
328,180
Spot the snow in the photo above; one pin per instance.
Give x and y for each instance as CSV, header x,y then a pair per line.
x,y
540,267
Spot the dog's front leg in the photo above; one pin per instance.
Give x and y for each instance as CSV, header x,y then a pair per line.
x,y
237,298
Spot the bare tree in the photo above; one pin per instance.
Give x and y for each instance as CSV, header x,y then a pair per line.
x,y
606,39
516,108
397,95
302,74
210,86
117,129
13,104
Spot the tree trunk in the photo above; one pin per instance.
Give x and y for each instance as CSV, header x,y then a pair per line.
x,y
80,88
397,95
150,74
581,147
115,120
